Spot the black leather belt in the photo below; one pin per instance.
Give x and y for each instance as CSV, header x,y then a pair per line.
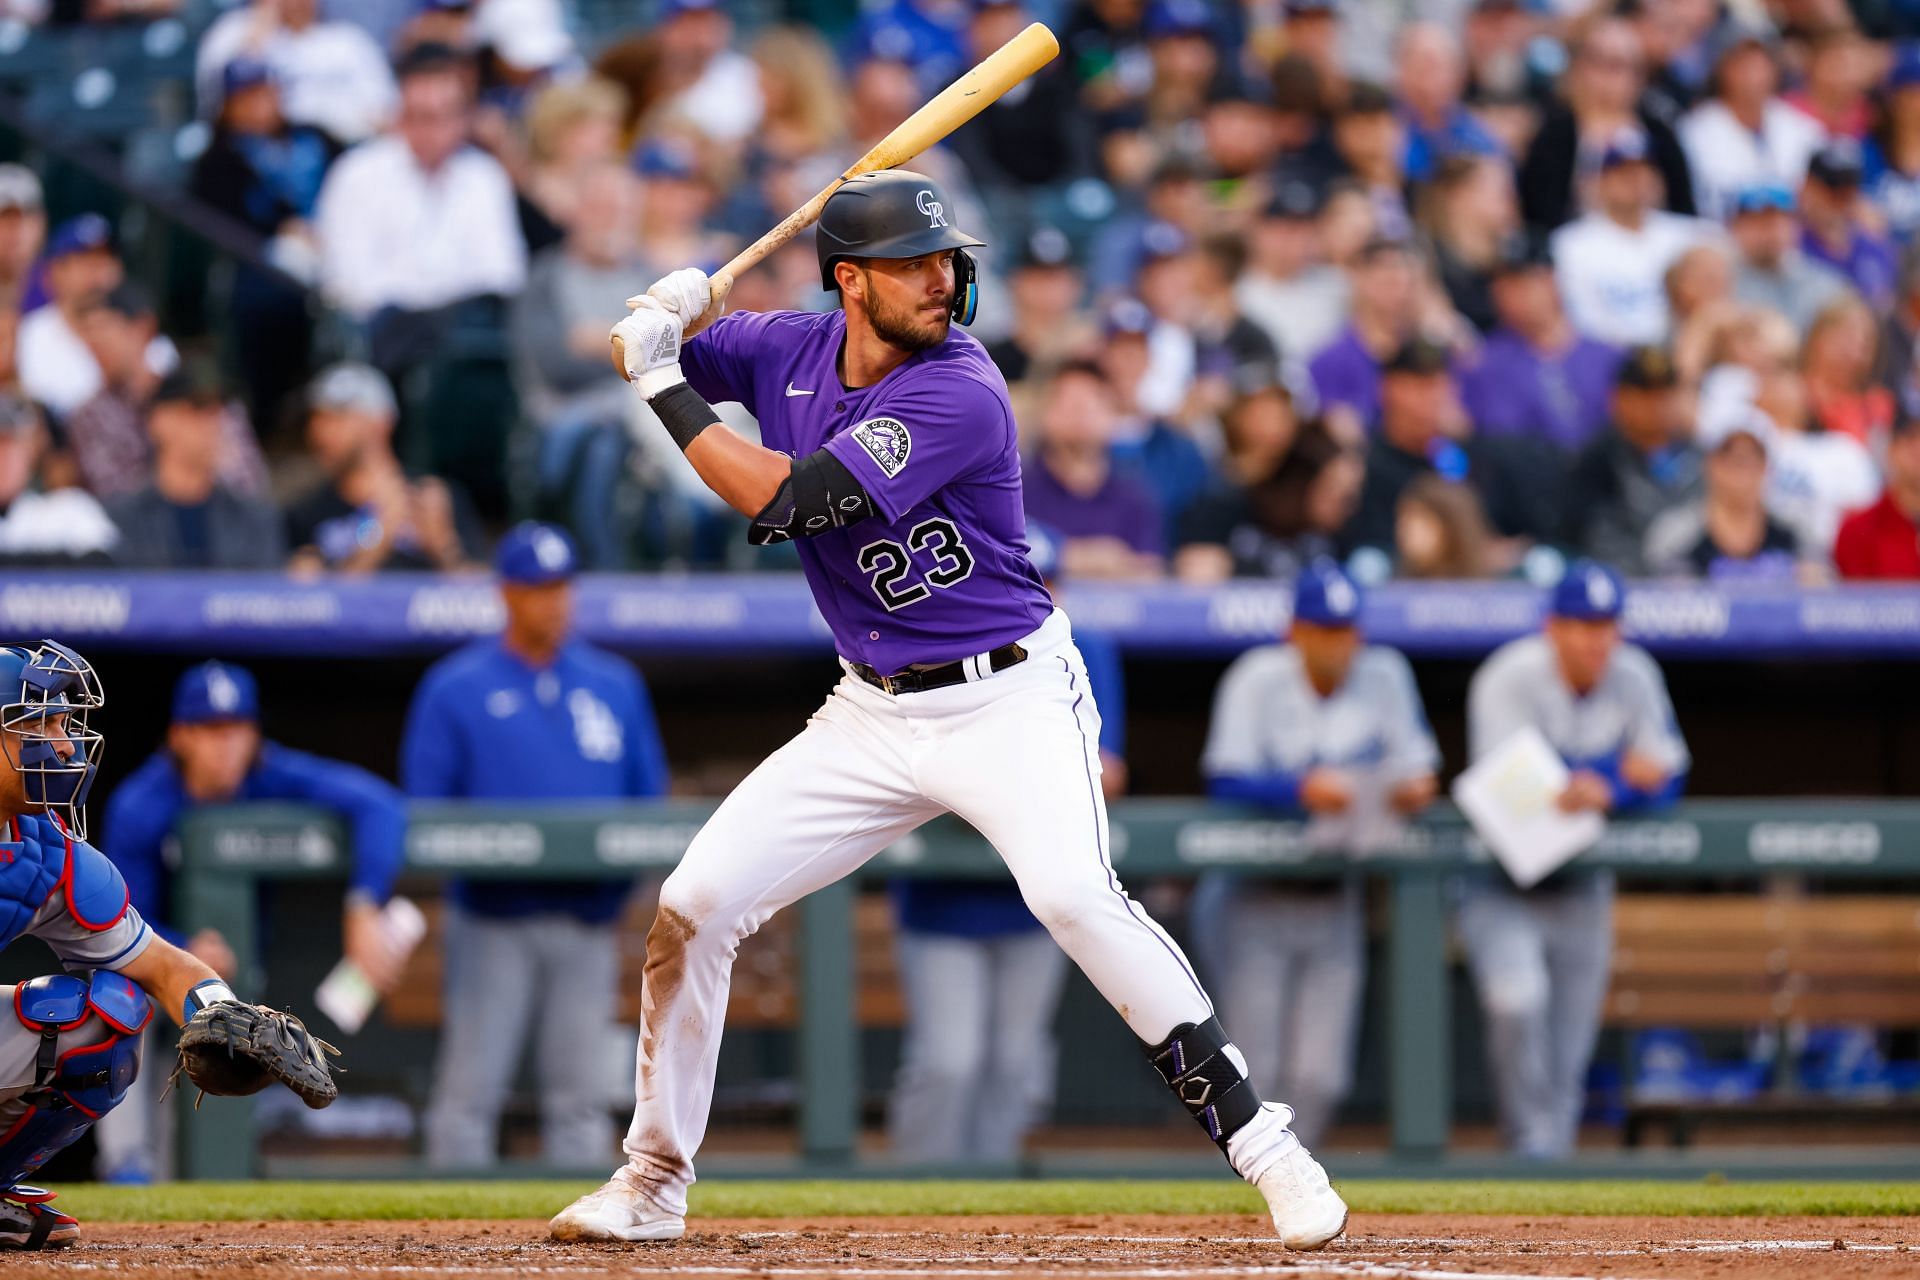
x,y
921,679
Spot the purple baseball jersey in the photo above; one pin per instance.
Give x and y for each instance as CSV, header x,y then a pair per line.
x,y
942,571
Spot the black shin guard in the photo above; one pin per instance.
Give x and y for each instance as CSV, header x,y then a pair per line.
x,y
1194,1063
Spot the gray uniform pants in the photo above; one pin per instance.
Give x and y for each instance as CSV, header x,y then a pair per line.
x,y
500,974
977,1064
1540,961
1292,964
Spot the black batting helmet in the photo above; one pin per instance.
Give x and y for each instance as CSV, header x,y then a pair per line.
x,y
895,213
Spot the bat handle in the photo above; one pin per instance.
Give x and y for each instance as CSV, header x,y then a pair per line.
x,y
719,286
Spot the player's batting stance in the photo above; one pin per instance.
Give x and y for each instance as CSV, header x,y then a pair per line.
x,y
70,1042
891,458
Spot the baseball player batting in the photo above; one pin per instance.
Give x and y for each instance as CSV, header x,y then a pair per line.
x,y
891,459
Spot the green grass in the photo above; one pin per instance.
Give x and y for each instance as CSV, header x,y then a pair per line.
x,y
311,1201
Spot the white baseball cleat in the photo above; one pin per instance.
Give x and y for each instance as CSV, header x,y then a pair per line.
x,y
617,1211
1307,1212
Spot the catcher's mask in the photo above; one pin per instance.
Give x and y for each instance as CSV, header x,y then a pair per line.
x,y
896,213
49,691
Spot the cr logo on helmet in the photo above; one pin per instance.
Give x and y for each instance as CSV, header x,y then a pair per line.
x,y
936,214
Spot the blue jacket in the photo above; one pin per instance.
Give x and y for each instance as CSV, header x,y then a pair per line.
x,y
994,908
146,806
486,726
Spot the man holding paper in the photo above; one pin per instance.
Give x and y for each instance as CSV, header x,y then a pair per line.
x,y
1539,938
1329,729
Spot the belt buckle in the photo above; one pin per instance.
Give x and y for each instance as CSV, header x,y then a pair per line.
x,y
886,685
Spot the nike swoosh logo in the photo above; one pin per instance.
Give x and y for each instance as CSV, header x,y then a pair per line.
x,y
795,391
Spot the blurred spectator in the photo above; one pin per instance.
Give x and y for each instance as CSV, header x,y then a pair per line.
x,y
1536,376
214,755
1613,261
634,62
1728,533
1328,729
1036,134
1815,477
805,124
1745,135
1288,491
185,518
1372,146
1430,75
107,436
1837,362
265,174
1108,523
1440,532
416,220
1383,287
1500,40
560,337
1891,157
1175,196
1540,956
332,75
447,22
675,199
56,368
1840,230
1183,47
1675,39
1155,452
1900,335
1423,431
1045,290
367,514
1475,212
1603,88
1699,288
572,127
1166,279
40,525
1838,71
23,229
710,87
981,978
1314,33
1770,270
1642,466
522,44
1103,46
532,715
1883,541
1288,287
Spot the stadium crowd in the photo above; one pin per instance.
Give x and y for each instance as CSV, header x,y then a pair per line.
x,y
1436,288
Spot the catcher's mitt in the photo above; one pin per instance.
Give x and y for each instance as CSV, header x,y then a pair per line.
x,y
230,1049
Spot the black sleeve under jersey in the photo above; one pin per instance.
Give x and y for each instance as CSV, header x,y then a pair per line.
x,y
818,494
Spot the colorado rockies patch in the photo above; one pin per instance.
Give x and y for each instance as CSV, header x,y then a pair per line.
x,y
887,440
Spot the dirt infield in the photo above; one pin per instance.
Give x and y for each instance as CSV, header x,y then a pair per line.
x,y
1377,1246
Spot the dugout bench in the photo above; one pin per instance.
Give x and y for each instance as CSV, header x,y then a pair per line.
x,y
226,852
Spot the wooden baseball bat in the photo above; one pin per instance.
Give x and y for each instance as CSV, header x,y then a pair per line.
x,y
946,111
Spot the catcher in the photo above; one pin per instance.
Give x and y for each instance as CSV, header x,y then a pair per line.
x,y
70,1042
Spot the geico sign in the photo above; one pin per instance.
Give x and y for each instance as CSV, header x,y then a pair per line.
x,y
636,844
1204,843
1850,843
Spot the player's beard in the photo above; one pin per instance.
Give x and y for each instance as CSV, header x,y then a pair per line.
x,y
910,329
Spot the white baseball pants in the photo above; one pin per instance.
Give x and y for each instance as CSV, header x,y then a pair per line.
x,y
1015,754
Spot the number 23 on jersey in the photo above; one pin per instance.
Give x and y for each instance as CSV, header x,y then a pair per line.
x,y
897,580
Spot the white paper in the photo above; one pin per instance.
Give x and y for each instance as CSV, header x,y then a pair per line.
x,y
344,994
1510,798
1367,825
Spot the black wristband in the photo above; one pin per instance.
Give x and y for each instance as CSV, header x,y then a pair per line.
x,y
684,413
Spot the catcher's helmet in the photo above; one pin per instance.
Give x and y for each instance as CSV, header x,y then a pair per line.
x,y
38,684
895,213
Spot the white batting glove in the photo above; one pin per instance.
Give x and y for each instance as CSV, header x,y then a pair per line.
x,y
646,346
686,293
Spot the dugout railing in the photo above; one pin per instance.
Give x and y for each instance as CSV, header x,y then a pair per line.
x,y
227,853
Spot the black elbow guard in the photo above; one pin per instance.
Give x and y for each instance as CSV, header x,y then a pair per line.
x,y
818,494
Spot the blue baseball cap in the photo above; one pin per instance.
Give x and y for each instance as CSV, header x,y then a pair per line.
x,y
1589,592
1628,146
1177,18
82,234
662,158
215,691
533,554
244,73
1763,197
1325,596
